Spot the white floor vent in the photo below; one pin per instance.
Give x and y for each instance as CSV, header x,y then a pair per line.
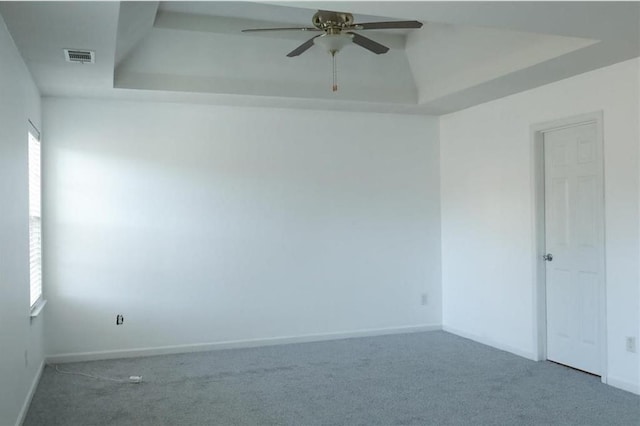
x,y
80,56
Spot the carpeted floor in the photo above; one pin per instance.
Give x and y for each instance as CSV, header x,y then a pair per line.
x,y
432,378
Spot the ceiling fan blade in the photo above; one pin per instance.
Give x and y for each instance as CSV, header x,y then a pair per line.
x,y
387,25
369,44
303,47
255,30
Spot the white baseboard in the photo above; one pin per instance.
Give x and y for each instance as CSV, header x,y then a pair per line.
x,y
489,342
234,344
624,385
32,390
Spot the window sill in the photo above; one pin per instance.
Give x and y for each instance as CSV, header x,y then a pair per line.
x,y
37,308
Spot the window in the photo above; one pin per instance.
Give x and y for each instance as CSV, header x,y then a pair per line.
x,y
35,223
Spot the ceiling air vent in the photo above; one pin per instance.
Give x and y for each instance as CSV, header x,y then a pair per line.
x,y
80,56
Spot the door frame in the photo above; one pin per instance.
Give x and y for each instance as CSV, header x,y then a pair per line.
x,y
539,265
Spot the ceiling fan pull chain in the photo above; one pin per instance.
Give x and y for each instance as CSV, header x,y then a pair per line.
x,y
335,71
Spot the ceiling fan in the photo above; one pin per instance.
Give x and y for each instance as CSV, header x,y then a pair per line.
x,y
338,30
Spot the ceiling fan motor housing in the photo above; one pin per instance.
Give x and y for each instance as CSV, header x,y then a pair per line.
x,y
327,20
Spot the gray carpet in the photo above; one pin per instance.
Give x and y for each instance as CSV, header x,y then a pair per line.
x,y
432,378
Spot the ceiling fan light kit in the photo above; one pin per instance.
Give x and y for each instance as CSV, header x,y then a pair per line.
x,y
338,28
333,43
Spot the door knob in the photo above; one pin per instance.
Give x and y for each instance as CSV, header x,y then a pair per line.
x,y
548,257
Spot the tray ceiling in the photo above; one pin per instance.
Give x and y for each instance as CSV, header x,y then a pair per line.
x,y
466,53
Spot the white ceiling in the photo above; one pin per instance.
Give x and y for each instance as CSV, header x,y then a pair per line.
x,y
466,53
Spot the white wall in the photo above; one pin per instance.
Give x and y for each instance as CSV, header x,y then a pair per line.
x,y
19,102
204,224
487,212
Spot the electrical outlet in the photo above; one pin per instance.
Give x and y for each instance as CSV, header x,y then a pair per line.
x,y
631,344
119,319
424,299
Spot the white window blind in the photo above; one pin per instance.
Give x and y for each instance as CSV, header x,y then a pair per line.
x,y
35,222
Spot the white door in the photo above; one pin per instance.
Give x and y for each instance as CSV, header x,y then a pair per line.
x,y
574,237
